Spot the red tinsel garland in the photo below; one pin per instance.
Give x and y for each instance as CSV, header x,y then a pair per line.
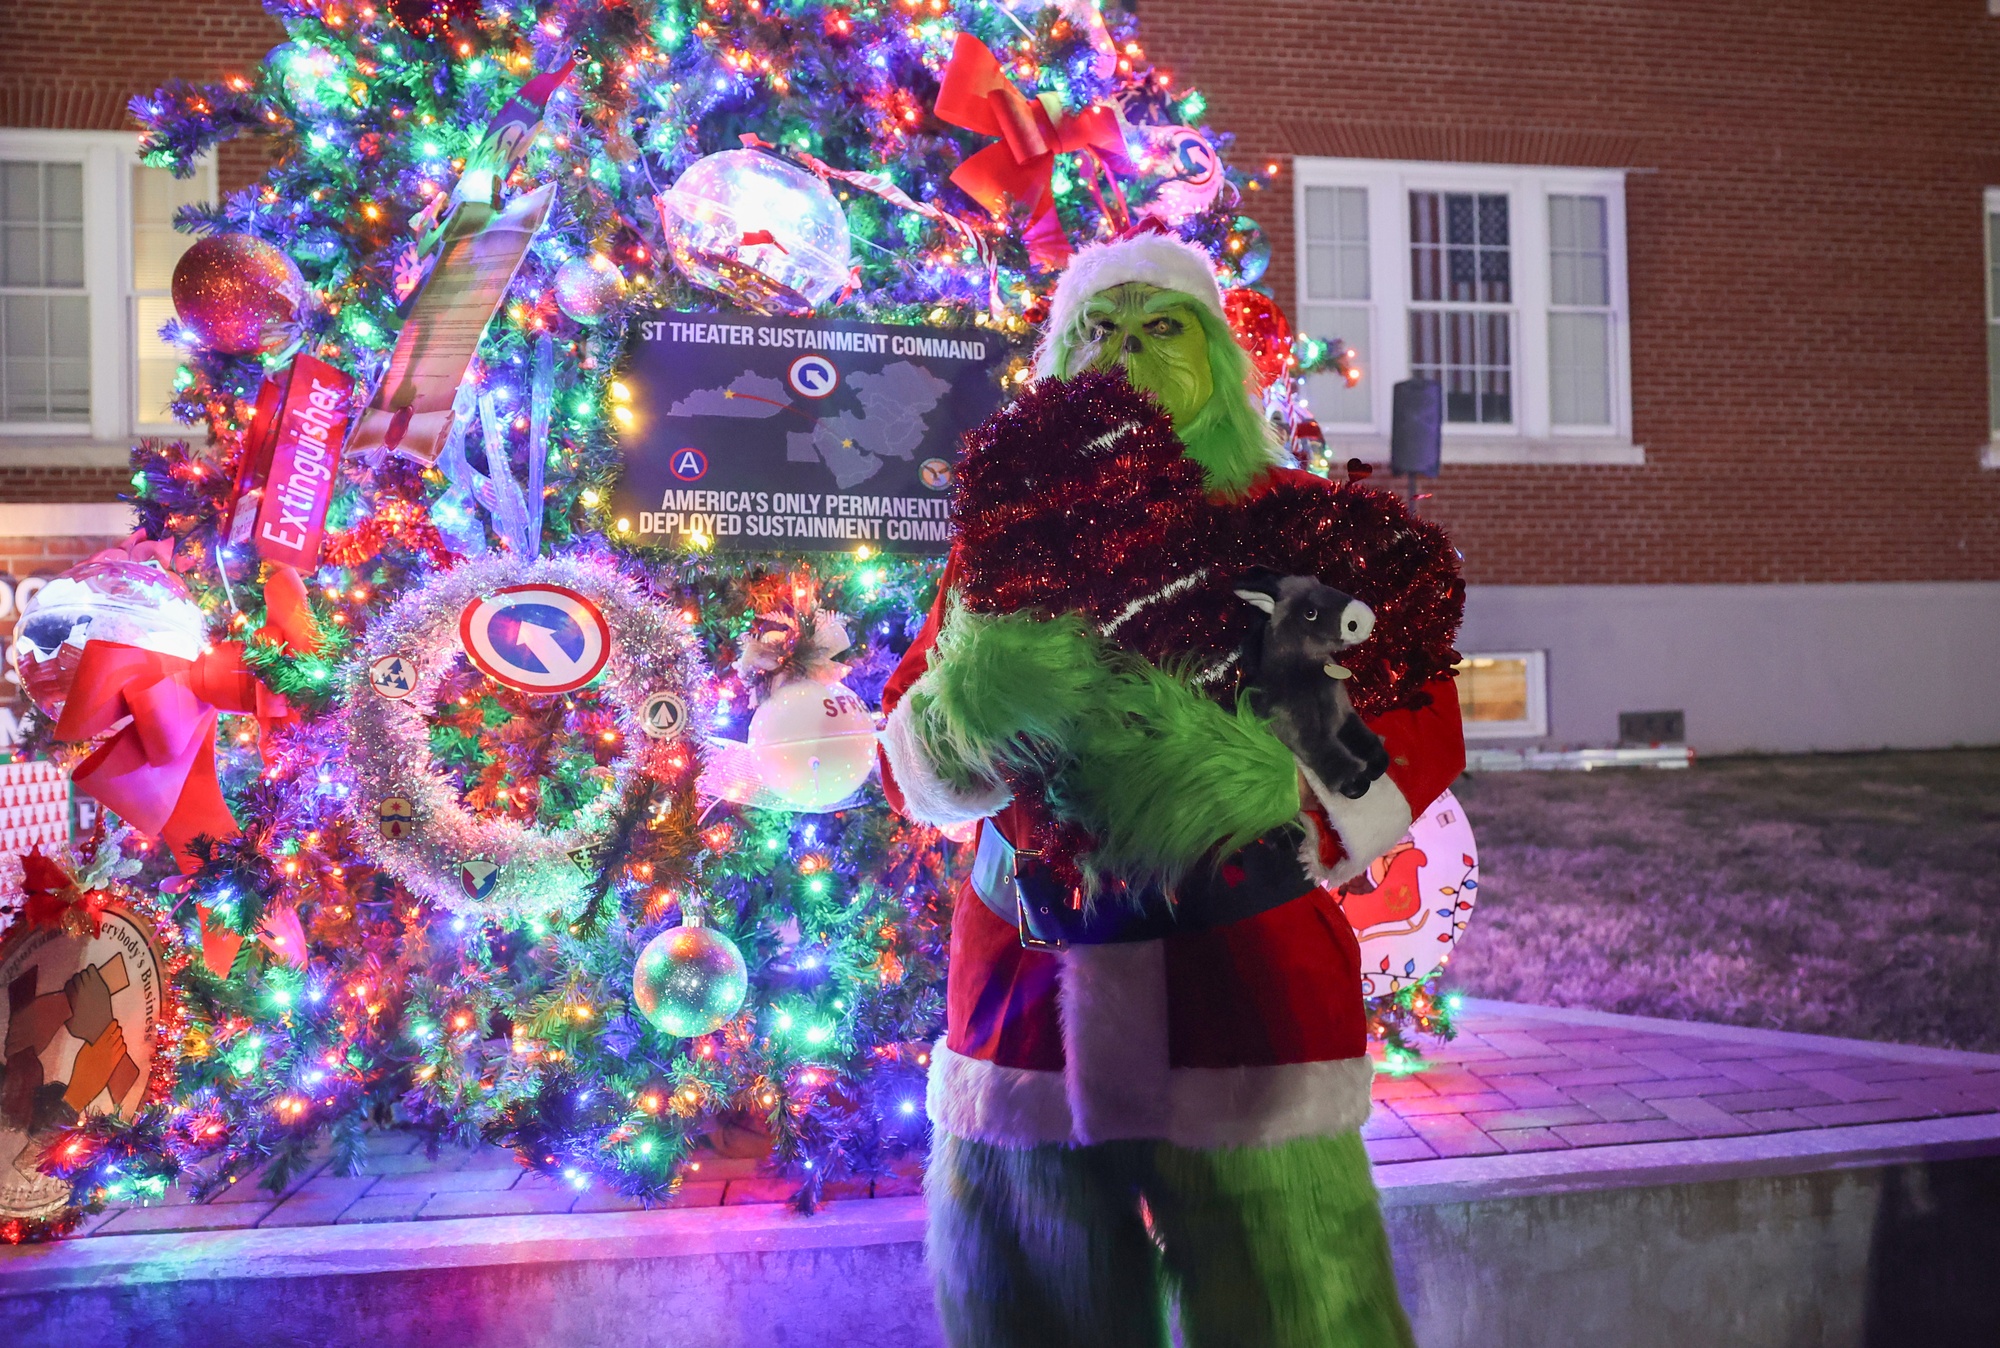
x,y
1079,497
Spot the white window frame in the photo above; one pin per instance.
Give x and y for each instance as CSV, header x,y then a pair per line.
x,y
1989,453
1531,438
1535,725
108,158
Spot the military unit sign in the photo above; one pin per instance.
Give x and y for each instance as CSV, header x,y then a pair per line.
x,y
664,716
393,676
537,638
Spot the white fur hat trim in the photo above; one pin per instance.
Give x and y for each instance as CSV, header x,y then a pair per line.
x,y
1155,259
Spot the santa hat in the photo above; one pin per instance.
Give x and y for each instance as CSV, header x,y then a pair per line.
x,y
1153,258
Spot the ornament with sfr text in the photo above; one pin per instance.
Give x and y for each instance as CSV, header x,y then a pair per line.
x,y
813,744
760,230
239,295
691,979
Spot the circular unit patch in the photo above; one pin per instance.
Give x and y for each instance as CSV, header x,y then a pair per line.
x,y
77,1017
537,638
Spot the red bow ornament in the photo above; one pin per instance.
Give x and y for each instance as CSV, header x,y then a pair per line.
x,y
976,94
157,771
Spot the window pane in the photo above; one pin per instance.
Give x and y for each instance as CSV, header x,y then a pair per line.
x,y
158,361
1333,402
44,358
62,188
155,252
1491,690
1579,369
1579,256
157,197
1993,266
21,256
1993,374
1337,243
65,255
20,191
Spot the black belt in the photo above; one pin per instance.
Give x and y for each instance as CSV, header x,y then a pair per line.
x,y
1018,888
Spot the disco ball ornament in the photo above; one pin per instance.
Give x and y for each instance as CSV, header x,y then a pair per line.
x,y
813,744
690,980
1261,329
586,288
1247,250
763,232
239,295
113,600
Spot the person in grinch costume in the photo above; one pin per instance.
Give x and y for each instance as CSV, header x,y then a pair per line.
x,y
1155,1062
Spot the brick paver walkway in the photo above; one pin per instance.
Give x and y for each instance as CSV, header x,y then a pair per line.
x,y
1516,1079
1538,1079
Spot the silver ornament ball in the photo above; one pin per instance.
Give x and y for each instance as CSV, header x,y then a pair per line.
x,y
690,980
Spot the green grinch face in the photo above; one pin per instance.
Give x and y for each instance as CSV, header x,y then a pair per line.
x,y
1157,337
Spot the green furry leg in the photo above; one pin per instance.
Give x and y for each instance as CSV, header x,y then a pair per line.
x,y
1278,1247
1042,1247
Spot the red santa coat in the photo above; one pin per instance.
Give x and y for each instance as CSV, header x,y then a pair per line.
x,y
1252,1033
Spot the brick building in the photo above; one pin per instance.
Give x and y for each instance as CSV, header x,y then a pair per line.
x,y
1709,287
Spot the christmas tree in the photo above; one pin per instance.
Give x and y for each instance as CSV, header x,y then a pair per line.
x,y
341,956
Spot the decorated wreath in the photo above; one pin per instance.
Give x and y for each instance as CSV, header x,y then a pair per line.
x,y
575,666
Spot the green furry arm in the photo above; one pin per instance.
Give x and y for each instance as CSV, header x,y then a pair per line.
x,y
1163,774
1000,686
1156,771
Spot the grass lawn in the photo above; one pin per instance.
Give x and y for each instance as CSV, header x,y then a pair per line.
x,y
1845,894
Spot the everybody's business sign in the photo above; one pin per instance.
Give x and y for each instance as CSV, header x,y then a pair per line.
x,y
799,434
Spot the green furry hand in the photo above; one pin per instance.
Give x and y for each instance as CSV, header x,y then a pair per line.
x,y
1002,691
1162,775
1157,772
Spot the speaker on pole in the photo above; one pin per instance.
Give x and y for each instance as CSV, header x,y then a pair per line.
x,y
1416,432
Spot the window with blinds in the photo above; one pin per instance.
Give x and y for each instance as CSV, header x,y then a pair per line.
x,y
1462,302
157,196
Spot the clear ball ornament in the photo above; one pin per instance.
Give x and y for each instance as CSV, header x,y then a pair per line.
x,y
813,744
112,600
690,980
586,289
760,230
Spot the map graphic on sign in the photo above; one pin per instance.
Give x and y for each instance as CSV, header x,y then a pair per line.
x,y
776,433
891,419
538,638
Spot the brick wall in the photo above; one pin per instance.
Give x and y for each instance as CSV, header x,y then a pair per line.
x,y
1804,237
74,64
1804,232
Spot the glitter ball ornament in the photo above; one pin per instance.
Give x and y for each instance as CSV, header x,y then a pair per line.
x,y
1261,329
760,230
124,601
813,743
239,295
586,288
690,980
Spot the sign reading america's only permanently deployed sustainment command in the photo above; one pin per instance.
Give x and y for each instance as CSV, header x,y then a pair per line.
x,y
780,434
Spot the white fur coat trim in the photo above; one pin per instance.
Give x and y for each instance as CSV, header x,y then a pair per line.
x,y
1113,1003
1367,827
1206,1106
927,796
1156,259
